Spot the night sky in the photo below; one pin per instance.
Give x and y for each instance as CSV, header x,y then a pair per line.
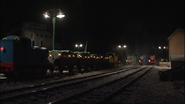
x,y
141,25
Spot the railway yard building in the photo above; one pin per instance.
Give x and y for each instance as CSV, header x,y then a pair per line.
x,y
38,32
176,49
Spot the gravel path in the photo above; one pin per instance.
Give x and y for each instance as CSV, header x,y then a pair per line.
x,y
150,90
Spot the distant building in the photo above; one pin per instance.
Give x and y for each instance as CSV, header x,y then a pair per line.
x,y
176,46
38,32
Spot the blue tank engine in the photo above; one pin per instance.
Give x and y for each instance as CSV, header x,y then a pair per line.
x,y
19,57
142,59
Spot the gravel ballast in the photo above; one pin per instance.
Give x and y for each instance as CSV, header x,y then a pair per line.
x,y
150,90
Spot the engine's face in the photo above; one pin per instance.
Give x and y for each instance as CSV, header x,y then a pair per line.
x,y
141,57
129,58
151,57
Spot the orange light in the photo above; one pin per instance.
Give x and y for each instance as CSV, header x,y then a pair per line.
x,y
79,55
59,54
69,55
50,55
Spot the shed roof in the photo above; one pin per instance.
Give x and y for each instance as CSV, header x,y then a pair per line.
x,y
178,29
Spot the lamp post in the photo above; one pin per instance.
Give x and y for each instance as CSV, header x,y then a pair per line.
x,y
60,15
124,46
80,45
122,53
161,48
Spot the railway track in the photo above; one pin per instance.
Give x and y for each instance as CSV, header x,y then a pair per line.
x,y
101,93
49,89
11,84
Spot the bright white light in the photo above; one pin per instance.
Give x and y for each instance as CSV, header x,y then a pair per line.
x,y
46,15
119,46
76,45
164,47
60,16
81,45
124,46
159,47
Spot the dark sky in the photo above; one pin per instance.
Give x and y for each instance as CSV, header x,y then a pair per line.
x,y
103,23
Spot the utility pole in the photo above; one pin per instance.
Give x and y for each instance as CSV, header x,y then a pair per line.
x,y
85,50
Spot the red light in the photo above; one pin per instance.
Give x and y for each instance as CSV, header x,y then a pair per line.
x,y
2,48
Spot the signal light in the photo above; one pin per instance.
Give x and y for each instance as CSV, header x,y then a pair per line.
x,y
2,48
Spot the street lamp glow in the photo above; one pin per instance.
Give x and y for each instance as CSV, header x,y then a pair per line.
x,y
81,45
124,46
159,47
60,15
164,47
78,46
46,15
119,46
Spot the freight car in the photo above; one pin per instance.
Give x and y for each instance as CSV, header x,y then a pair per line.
x,y
68,60
142,59
62,59
84,61
19,57
152,59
